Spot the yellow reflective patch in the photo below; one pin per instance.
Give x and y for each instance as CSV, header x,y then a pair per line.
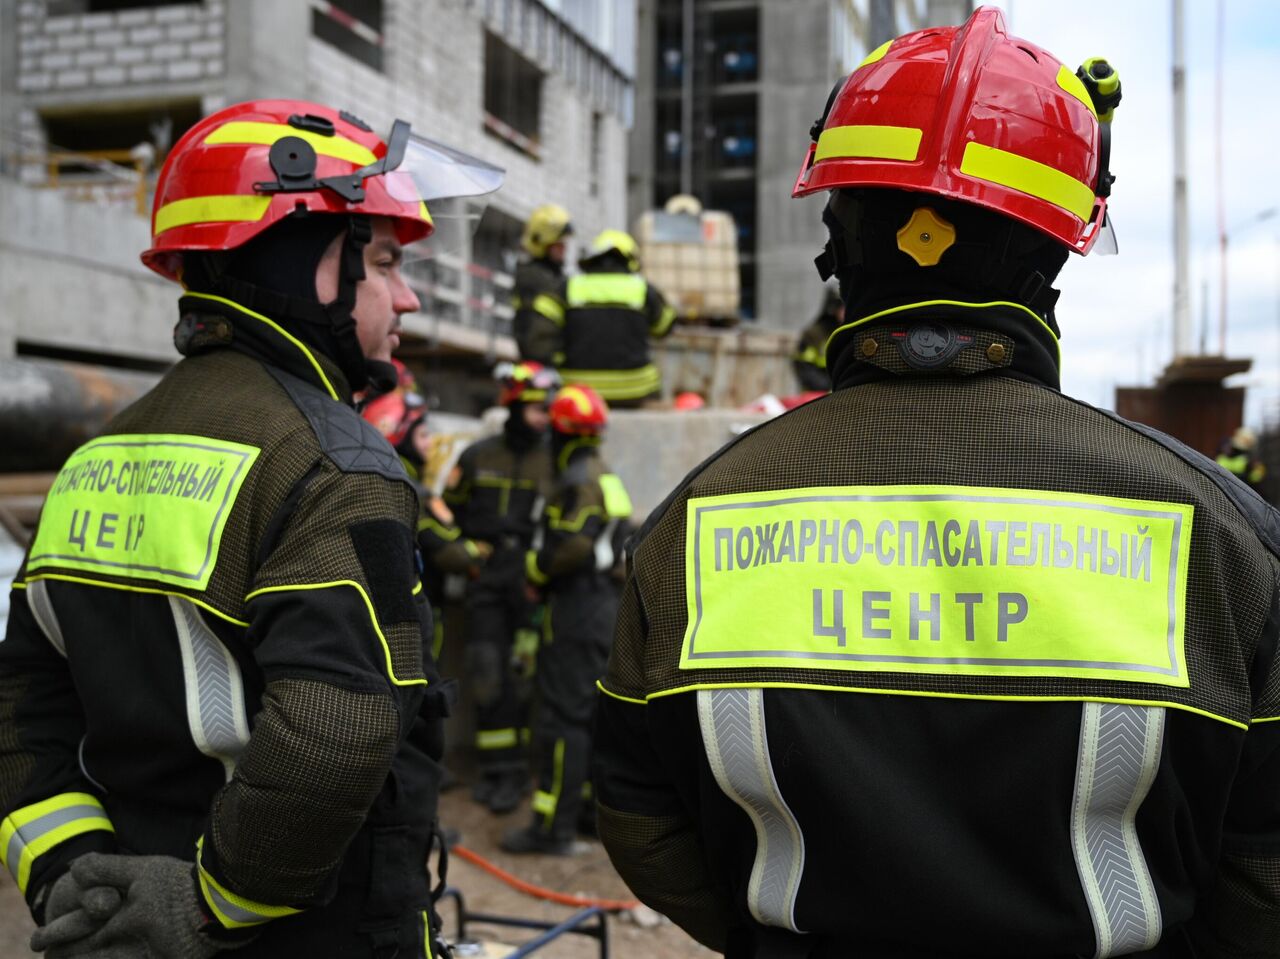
x,y
550,307
211,209
617,503
250,132
1075,86
424,212
876,54
960,581
607,289
868,143
1027,176
140,506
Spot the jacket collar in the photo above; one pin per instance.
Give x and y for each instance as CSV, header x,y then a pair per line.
x,y
210,322
945,338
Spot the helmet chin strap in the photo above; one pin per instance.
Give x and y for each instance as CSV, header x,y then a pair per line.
x,y
330,327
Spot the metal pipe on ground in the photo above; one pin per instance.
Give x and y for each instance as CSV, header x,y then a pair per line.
x,y
49,407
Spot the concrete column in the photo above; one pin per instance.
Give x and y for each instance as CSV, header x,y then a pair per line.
x,y
8,75
267,49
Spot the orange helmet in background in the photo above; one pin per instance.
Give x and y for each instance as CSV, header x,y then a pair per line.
x,y
972,114
688,401
579,411
395,414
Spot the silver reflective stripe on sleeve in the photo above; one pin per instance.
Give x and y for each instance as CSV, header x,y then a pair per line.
x,y
1118,759
42,609
733,732
215,689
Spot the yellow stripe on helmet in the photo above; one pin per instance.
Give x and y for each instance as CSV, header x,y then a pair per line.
x,y
1073,85
250,132
1027,176
869,143
876,54
210,209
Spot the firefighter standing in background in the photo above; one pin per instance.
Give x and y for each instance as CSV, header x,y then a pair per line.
x,y
575,563
400,416
1239,458
494,491
539,316
610,312
810,358
947,663
220,724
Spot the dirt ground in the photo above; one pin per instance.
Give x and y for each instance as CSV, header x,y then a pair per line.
x,y
586,874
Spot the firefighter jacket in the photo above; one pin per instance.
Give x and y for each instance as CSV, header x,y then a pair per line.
x,y
496,491
581,521
950,664
1240,464
608,319
216,650
810,358
539,313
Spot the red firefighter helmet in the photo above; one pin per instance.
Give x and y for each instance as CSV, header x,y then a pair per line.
x,y
241,170
526,382
389,414
975,115
579,411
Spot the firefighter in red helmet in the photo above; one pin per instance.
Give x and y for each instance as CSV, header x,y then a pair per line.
x,y
946,663
494,491
220,722
575,560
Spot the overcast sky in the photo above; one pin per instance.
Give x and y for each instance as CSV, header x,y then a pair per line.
x,y
1115,312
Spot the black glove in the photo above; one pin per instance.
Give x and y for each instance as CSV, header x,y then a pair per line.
x,y
159,917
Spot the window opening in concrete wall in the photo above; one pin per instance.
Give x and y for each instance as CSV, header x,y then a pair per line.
x,y
353,26
733,143
736,35
110,152
494,251
512,96
60,8
597,152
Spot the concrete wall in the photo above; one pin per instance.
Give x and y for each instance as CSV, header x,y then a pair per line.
x,y
652,451
796,74
70,277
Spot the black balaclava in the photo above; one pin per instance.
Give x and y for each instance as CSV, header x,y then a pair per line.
x,y
519,435
275,274
560,443
612,261
993,258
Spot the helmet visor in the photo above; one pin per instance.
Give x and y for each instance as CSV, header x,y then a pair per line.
x,y
455,187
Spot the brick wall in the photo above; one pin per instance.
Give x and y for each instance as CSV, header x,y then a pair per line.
x,y
178,42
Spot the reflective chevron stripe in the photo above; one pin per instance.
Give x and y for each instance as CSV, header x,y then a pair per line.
x,y
1119,755
42,609
733,732
215,690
